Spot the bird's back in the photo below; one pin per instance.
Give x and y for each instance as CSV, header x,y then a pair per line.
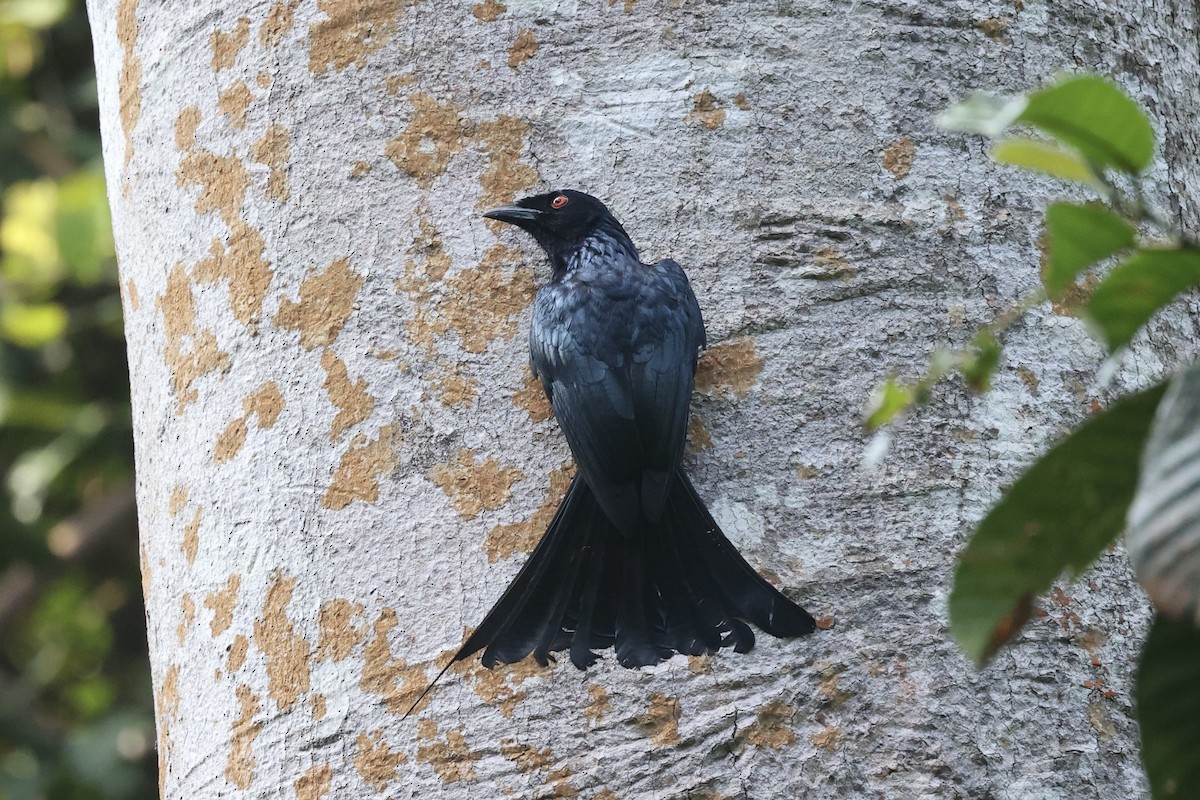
x,y
615,342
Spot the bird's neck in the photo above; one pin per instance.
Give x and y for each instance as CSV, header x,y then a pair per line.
x,y
607,247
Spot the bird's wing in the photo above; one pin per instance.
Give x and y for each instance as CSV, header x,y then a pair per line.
x,y
661,376
593,403
624,413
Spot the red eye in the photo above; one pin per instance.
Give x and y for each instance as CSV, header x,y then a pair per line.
x,y
559,201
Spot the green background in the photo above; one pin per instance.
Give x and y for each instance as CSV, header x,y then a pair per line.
x,y
76,713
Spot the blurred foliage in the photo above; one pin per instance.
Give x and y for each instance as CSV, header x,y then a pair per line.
x,y
76,715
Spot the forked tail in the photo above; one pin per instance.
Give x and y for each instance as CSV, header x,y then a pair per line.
x,y
679,587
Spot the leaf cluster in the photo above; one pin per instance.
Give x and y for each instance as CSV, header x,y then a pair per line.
x,y
1115,263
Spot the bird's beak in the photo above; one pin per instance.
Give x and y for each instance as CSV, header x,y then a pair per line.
x,y
514,215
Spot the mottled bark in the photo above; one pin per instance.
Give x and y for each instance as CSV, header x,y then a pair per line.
x,y
341,461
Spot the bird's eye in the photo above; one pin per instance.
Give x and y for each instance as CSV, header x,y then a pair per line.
x,y
559,201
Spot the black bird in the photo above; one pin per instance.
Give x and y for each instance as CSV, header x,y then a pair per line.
x,y
632,558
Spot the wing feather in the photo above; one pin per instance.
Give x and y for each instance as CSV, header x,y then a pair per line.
x,y
621,387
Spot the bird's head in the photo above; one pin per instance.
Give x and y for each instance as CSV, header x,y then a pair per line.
x,y
560,221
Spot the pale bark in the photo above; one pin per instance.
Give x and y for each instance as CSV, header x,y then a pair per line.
x,y
341,462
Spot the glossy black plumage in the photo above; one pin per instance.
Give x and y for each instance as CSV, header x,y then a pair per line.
x,y
632,559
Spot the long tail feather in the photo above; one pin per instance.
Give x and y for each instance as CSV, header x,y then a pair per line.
x,y
690,625
558,604
679,585
507,630
581,638
637,641
752,597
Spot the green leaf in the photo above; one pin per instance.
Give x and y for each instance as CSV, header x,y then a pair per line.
x,y
982,113
1060,515
1137,287
1164,519
1080,235
981,362
33,13
27,236
1095,117
888,402
32,325
1168,708
1047,158
84,228
41,409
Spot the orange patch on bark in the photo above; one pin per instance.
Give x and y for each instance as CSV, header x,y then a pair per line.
x,y
279,21
237,654
357,476
599,705
168,693
503,140
285,651
239,768
434,135
350,398
222,603
527,757
707,110
326,300
524,47
827,738
274,150
771,729
532,397
187,608
265,403
375,760
179,496
511,538
458,390
314,783
178,308
352,30
450,758
239,261
661,720
480,304
393,680
731,366
898,158
488,10
230,442
318,707
222,181
497,686
338,633
129,84
131,294
191,537
234,102
475,487
185,128
227,44
166,708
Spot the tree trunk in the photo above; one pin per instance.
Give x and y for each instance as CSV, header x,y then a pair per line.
x,y
342,460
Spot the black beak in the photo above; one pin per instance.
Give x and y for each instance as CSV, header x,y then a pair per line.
x,y
514,215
